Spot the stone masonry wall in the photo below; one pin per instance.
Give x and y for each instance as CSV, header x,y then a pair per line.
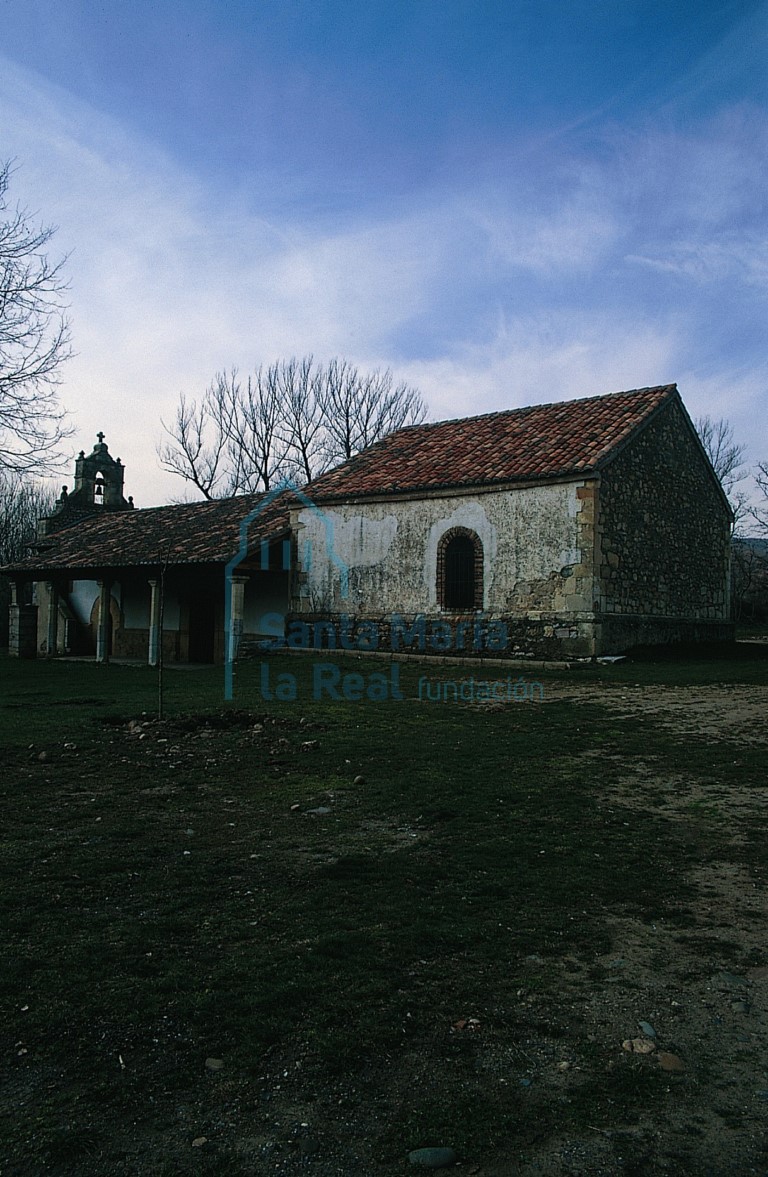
x,y
442,635
663,538
536,573
22,627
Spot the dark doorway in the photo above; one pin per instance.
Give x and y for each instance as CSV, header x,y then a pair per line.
x,y
202,626
460,573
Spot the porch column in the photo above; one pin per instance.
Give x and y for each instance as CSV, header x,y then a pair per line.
x,y
102,633
236,615
53,619
22,624
154,622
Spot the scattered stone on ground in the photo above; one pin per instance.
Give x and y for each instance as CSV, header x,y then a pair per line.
x,y
638,1046
670,1062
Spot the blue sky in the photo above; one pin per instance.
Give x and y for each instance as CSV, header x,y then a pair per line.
x,y
504,202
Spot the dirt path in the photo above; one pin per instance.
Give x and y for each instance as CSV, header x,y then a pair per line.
x,y
688,979
721,712
688,992
677,1010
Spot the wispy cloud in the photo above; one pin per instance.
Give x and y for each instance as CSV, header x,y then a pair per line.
x,y
169,285
739,257
630,259
548,357
562,230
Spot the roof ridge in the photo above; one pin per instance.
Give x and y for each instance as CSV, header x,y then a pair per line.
x,y
175,506
602,396
531,441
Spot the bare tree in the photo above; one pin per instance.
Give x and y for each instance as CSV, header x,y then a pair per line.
x,y
725,454
339,394
196,452
759,512
749,579
250,418
34,341
22,502
294,418
727,458
359,410
303,424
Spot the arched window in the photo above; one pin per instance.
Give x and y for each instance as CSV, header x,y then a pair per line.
x,y
460,570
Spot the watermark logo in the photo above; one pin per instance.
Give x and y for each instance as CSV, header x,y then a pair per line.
x,y
398,634
479,690
328,682
234,606
347,632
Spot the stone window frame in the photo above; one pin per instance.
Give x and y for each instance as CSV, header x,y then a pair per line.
x,y
442,546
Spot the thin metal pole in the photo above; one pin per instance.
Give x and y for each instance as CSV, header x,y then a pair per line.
x,y
160,658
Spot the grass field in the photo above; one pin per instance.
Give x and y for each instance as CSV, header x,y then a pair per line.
x,y
271,936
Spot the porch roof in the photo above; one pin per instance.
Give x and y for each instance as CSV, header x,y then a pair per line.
x,y
183,534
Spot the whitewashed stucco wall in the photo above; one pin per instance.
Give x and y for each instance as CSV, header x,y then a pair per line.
x,y
132,597
390,548
82,599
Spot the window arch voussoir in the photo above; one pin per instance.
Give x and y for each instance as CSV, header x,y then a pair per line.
x,y
460,570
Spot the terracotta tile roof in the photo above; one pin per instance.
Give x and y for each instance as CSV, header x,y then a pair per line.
x,y
539,442
188,533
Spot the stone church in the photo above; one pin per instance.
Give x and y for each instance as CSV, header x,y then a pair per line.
x,y
574,529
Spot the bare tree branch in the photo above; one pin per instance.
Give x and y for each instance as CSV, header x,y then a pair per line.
x,y
34,342
188,453
255,450
749,583
303,428
338,393
759,512
725,454
359,410
22,502
727,458
294,418
761,477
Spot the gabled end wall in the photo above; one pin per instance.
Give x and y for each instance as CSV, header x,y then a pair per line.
x,y
662,541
